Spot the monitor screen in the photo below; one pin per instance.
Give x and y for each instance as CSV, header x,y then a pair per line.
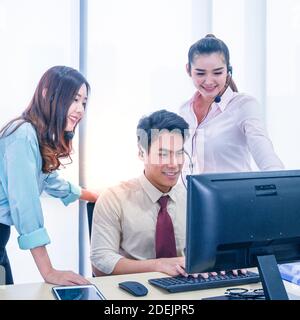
x,y
234,218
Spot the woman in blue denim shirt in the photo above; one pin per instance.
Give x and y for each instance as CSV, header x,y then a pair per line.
x,y
31,149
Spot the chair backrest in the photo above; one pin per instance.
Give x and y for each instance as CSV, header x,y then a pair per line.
x,y
90,209
2,275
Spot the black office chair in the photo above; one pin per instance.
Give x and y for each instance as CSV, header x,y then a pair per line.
x,y
90,209
2,275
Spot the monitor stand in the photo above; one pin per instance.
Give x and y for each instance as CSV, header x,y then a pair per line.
x,y
270,278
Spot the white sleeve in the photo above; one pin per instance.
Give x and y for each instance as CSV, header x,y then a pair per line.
x,y
260,145
106,233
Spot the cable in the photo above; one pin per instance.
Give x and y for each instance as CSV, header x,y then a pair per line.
x,y
191,165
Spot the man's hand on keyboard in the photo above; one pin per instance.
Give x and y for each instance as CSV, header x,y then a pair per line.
x,y
206,275
180,284
235,272
176,266
243,271
172,266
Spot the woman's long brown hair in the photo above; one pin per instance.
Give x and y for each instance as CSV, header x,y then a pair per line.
x,y
47,112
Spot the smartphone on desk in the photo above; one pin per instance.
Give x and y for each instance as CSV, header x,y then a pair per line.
x,y
78,292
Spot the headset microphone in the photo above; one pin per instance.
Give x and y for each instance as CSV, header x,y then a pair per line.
x,y
217,99
68,135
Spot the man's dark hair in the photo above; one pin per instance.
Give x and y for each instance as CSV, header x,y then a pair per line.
x,y
150,126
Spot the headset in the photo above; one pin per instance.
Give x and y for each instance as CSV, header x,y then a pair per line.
x,y
68,135
191,167
219,95
217,99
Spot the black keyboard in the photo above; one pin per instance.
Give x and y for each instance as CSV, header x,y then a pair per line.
x,y
180,283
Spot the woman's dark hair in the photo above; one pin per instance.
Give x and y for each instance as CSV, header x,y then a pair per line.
x,y
150,126
208,45
47,112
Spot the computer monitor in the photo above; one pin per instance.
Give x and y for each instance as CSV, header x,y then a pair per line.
x,y
244,220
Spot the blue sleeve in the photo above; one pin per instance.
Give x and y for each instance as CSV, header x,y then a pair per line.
x,y
60,188
22,174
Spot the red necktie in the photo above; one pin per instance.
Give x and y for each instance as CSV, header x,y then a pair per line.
x,y
165,239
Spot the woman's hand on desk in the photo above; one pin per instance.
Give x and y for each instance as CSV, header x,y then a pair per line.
x,y
64,278
51,275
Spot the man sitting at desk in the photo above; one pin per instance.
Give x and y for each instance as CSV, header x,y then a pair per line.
x,y
139,225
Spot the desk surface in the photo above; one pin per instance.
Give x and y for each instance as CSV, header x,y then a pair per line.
x,y
108,285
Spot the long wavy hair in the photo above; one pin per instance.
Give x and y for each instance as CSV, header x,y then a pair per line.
x,y
47,112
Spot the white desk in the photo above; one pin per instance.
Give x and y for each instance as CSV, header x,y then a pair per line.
x,y
108,285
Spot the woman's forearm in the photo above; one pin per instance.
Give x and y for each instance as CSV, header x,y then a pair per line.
x,y
42,260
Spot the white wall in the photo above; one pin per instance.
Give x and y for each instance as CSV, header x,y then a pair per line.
x,y
136,64
283,82
35,35
263,38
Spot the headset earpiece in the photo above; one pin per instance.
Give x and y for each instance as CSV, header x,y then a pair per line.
x,y
228,80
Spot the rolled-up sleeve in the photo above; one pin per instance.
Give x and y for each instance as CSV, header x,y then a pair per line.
x,y
106,233
22,174
60,188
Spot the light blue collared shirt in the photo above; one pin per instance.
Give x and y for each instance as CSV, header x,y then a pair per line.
x,y
21,184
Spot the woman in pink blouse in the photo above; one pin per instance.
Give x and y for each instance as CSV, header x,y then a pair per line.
x,y
227,129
